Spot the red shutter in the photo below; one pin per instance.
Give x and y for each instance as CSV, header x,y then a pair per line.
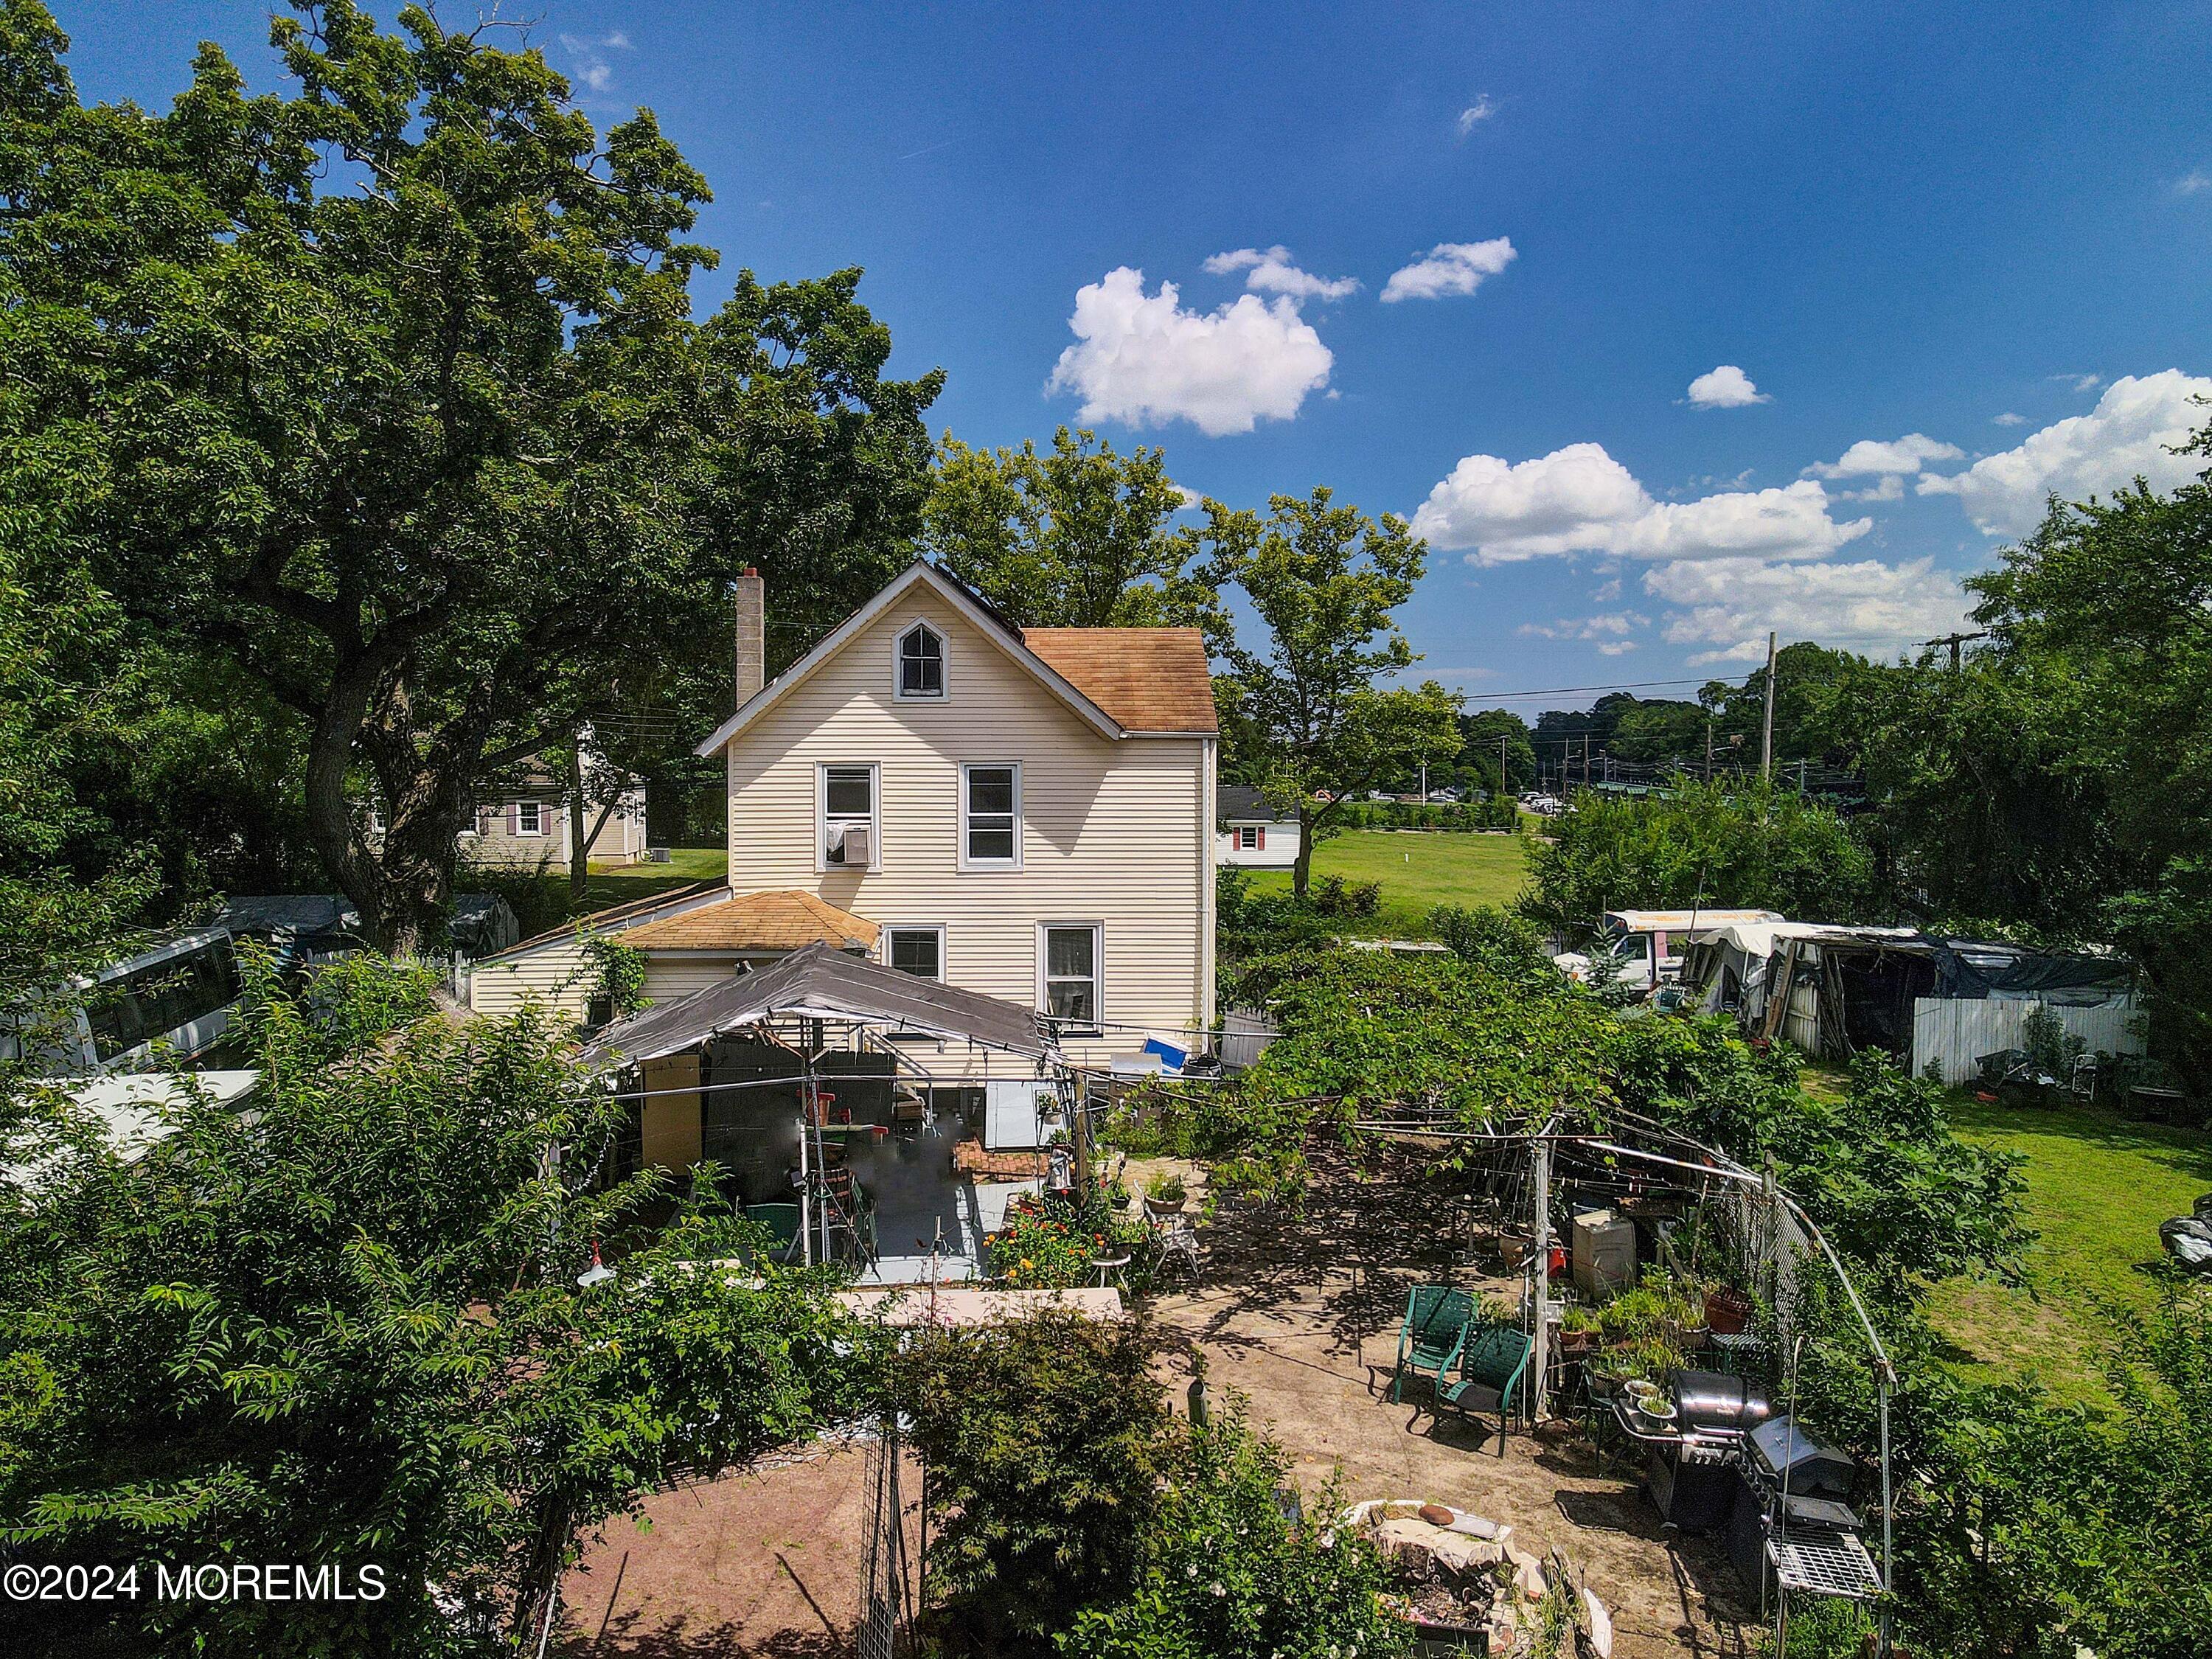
x,y
1263,838
514,818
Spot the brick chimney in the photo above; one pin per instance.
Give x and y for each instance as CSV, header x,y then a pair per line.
x,y
752,641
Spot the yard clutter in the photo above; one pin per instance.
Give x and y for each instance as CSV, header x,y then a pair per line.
x,y
1461,1579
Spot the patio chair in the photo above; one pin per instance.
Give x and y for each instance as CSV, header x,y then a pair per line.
x,y
1436,1318
781,1221
1490,1359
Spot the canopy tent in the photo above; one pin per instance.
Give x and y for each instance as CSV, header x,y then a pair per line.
x,y
818,982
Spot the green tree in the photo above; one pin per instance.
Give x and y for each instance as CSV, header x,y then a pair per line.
x,y
1325,583
1481,732
1075,537
388,390
346,1327
1043,1439
1723,845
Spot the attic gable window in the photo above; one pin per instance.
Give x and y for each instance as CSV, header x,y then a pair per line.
x,y
920,664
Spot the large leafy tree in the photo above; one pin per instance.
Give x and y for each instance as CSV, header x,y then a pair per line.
x,y
345,1327
1075,537
388,390
1325,583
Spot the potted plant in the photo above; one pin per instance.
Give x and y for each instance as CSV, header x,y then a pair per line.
x,y
1164,1196
1578,1332
1728,1311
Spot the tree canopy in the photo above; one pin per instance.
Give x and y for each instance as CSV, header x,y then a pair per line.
x,y
1326,583
387,392
1077,536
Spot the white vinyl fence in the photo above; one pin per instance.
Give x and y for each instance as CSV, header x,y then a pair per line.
x,y
1954,1032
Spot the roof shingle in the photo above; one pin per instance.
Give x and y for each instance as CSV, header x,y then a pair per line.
x,y
783,920
1149,679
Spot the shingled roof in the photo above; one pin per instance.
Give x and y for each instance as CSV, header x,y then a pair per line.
x,y
1149,679
783,920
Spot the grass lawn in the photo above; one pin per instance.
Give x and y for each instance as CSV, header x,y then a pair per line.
x,y
1419,869
2098,1186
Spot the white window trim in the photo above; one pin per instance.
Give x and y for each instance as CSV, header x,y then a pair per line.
x,y
537,806
1013,863
899,693
936,927
1097,975
821,769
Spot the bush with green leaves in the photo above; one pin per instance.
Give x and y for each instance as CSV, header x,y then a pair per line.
x,y
345,1326
1044,1441
1227,1573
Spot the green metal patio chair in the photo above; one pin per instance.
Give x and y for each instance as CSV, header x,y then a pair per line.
x,y
1490,1359
781,1221
1437,1317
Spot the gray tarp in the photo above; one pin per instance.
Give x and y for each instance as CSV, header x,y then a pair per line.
x,y
818,982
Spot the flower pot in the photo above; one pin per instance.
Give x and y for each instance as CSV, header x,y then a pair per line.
x,y
1162,1208
1576,1345
1514,1249
1728,1311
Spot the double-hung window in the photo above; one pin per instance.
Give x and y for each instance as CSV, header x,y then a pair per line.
x,y
990,817
917,950
529,818
920,664
849,819
1067,975
1251,838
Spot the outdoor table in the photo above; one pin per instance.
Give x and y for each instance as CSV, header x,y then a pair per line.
x,y
1109,1264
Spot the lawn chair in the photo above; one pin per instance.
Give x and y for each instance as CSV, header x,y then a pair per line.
x,y
781,1221
1489,1360
1437,1317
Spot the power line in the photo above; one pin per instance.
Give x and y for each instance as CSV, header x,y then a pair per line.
x,y
1478,696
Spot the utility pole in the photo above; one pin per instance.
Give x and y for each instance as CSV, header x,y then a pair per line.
x,y
1503,787
1766,742
1709,749
1954,640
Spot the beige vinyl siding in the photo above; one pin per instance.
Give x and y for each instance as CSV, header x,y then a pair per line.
x,y
555,973
671,974
1119,833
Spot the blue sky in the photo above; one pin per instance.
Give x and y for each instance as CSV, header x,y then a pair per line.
x,y
1922,263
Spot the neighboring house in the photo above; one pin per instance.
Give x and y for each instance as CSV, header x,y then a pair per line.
x,y
524,823
1249,832
1028,813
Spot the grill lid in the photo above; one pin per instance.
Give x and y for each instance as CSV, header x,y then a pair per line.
x,y
1789,1458
1713,1399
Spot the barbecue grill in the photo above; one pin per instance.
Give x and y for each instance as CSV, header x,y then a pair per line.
x,y
1792,1524
1689,1476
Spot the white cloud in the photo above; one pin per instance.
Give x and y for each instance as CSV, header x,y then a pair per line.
x,y
1728,604
1611,624
1606,591
588,65
2008,419
1616,648
1580,499
1449,268
2192,181
1273,271
2081,382
1725,387
1907,454
1480,110
2133,430
1141,358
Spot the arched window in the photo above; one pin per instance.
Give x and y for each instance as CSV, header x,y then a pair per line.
x,y
921,662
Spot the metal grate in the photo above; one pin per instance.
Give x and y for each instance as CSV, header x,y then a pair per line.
x,y
883,1565
1824,1564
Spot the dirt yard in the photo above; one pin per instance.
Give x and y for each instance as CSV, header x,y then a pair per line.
x,y
1299,1314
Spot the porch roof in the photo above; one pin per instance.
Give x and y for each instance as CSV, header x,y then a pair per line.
x,y
820,982
781,920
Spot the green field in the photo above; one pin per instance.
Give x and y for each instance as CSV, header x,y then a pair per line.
x,y
2098,1186
1419,869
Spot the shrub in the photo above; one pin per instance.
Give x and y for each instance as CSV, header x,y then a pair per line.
x,y
1045,1440
1227,1574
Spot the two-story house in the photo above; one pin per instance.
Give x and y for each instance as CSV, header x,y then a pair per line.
x,y
1026,812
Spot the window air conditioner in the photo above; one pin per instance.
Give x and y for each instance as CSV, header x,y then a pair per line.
x,y
853,843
